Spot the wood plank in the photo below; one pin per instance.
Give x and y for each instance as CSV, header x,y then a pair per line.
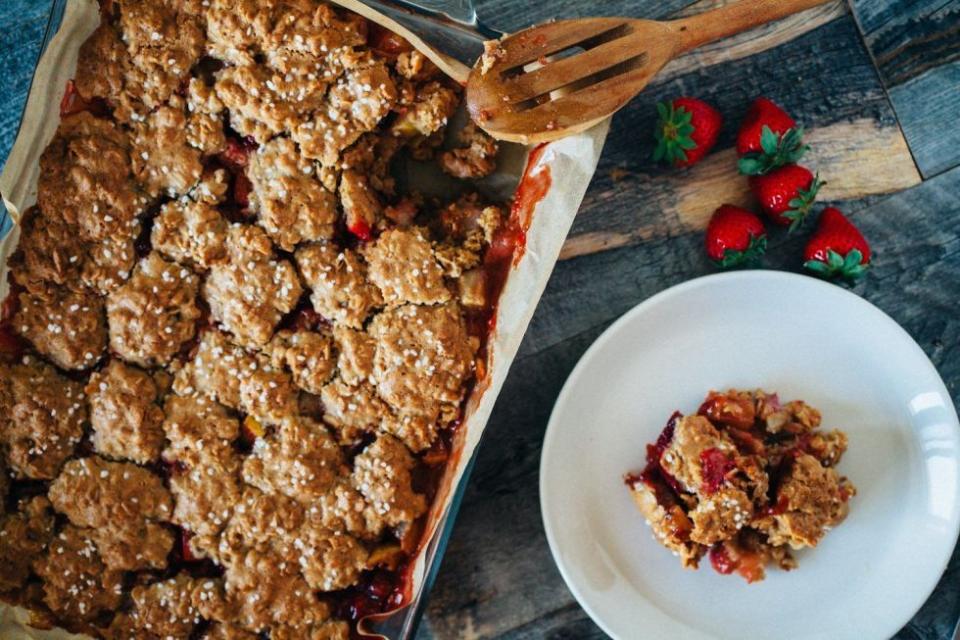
x,y
824,77
498,579
924,104
511,15
751,42
916,46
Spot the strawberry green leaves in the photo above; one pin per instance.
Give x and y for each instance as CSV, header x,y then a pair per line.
x,y
777,151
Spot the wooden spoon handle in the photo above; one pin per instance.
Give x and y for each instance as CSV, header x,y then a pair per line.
x,y
734,18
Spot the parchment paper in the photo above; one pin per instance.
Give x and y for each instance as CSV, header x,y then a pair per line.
x,y
571,162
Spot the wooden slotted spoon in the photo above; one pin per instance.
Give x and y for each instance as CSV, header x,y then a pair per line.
x,y
563,77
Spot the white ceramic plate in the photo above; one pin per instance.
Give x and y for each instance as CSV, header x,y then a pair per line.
x,y
807,340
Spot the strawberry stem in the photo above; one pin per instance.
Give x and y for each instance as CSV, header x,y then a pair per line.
x,y
849,267
733,258
776,151
801,205
674,134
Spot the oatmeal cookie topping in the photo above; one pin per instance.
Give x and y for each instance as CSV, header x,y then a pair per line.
x,y
86,177
252,289
423,357
25,534
475,157
308,355
67,327
352,410
292,205
337,279
170,608
382,474
140,62
163,160
361,205
205,481
402,264
228,373
124,413
109,262
49,251
122,504
359,99
237,30
356,350
154,313
204,118
77,584
191,233
430,111
227,631
41,418
258,99
300,460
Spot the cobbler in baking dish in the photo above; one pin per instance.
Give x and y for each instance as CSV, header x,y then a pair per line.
x,y
746,479
235,349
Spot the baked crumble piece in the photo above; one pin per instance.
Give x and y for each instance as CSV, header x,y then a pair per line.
x,y
42,415
747,479
339,287
191,233
292,205
68,327
252,289
154,313
237,345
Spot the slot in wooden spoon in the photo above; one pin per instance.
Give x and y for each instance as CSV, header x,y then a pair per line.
x,y
563,77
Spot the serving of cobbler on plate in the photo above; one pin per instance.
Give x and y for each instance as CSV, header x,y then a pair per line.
x,y
745,480
235,347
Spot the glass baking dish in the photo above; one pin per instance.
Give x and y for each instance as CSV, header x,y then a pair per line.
x,y
576,157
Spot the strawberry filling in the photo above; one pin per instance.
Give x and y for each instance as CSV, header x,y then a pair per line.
x,y
654,470
720,559
241,190
237,154
72,102
385,42
746,563
361,229
716,466
728,410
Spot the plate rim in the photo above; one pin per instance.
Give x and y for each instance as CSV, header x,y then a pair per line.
x,y
679,289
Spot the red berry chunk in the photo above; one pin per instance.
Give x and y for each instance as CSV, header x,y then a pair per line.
x,y
716,466
721,560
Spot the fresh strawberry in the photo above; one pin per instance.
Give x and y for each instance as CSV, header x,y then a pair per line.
x,y
768,138
687,130
837,248
735,237
786,194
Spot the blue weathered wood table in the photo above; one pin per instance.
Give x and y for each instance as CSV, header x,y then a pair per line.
x,y
876,83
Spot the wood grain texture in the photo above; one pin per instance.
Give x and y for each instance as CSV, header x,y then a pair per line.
x,y
497,579
916,46
513,15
